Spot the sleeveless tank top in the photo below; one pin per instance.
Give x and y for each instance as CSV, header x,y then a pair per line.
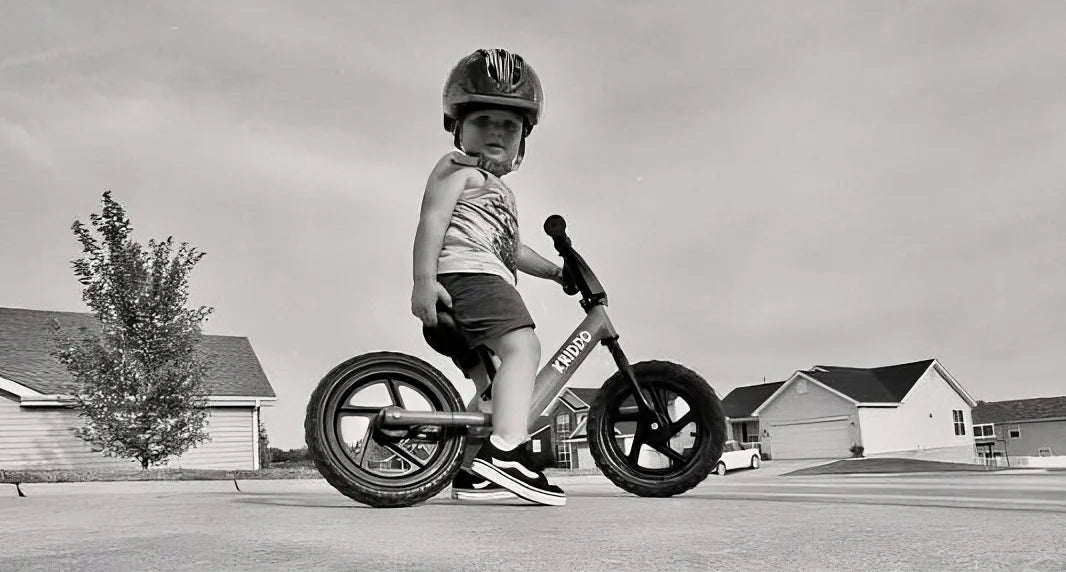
x,y
483,235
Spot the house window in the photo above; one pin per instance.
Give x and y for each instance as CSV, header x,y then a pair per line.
x,y
959,421
562,425
1015,432
562,456
984,430
562,449
1044,452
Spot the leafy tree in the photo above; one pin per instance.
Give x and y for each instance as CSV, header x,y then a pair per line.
x,y
141,381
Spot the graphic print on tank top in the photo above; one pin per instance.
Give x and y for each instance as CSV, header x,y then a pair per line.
x,y
487,218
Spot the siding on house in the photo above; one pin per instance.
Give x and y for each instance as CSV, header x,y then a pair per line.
x,y
792,406
232,444
1033,436
920,427
43,438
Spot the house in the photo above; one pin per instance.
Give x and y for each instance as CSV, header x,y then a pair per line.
x,y
37,418
1022,432
914,410
562,431
740,405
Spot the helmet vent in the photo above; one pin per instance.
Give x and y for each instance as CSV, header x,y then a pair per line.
x,y
504,68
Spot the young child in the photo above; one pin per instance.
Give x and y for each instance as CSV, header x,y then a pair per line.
x,y
467,254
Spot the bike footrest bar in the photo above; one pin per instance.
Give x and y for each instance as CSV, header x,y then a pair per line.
x,y
397,417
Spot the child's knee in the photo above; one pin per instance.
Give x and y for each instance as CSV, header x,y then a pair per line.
x,y
523,342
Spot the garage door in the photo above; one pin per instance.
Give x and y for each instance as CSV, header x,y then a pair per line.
x,y
811,440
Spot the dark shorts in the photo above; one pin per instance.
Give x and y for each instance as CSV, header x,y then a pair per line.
x,y
485,306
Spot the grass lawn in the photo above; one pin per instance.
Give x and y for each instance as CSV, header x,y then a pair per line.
x,y
288,470
279,471
890,465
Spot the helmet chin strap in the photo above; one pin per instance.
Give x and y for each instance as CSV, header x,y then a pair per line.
x,y
495,167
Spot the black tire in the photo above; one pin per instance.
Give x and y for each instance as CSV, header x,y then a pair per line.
x,y
334,456
692,465
720,469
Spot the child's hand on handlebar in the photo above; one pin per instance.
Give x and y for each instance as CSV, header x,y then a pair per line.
x,y
565,279
424,299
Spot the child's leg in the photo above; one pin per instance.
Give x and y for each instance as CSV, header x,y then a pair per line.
x,y
480,376
512,389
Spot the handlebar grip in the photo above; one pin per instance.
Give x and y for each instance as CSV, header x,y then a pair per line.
x,y
569,285
555,226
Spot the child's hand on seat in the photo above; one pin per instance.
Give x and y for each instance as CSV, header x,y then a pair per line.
x,y
424,298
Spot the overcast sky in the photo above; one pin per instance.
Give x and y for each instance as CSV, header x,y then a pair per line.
x,y
761,187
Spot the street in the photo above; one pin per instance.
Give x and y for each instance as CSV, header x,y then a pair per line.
x,y
747,520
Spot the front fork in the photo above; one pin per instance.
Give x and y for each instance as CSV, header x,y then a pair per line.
x,y
657,411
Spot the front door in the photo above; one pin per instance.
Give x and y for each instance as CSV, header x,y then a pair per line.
x,y
984,453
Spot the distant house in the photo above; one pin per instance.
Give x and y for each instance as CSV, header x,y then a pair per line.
x,y
740,406
915,410
1022,432
562,430
37,420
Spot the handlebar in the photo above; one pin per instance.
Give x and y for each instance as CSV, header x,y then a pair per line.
x,y
555,226
577,276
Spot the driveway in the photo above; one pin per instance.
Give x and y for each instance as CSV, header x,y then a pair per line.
x,y
751,520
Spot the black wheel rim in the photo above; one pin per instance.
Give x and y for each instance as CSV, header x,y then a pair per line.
x,y
630,441
347,416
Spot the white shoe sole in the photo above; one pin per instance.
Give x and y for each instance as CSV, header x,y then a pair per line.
x,y
517,487
478,495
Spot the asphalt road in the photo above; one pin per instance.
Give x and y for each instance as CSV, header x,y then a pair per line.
x,y
748,520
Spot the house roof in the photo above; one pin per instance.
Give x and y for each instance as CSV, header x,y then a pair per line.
x,y
586,394
1019,410
743,401
888,384
27,339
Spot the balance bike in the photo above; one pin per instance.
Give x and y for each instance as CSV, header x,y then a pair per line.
x,y
388,429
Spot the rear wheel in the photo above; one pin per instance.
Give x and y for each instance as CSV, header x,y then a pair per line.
x,y
720,469
754,462
383,470
634,453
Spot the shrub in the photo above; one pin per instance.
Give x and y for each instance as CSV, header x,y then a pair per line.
x,y
856,451
280,456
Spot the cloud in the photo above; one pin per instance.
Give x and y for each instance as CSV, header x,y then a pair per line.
x,y
22,142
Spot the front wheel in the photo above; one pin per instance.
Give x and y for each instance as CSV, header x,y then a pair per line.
x,y
639,457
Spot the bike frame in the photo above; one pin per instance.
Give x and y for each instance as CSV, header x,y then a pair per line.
x,y
595,329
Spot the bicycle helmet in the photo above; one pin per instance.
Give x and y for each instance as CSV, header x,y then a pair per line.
x,y
492,78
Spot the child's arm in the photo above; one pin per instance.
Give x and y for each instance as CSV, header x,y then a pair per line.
x,y
536,265
446,183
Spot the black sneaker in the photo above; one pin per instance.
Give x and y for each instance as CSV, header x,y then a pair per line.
x,y
513,470
468,486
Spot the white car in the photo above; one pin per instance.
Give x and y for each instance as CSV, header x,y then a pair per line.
x,y
735,456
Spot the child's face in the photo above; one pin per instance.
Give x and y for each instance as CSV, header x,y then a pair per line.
x,y
493,134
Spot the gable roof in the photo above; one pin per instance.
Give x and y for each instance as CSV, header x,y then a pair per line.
x,y
885,386
586,394
26,342
574,398
1019,410
888,384
743,401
